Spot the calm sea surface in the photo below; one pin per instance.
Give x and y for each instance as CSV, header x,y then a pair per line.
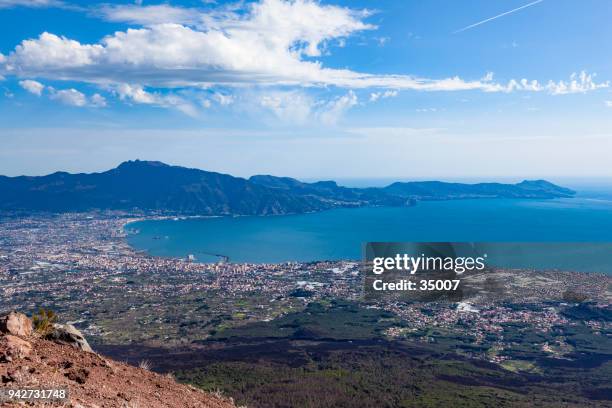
x,y
339,234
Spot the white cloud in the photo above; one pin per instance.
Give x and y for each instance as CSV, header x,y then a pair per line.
x,y
172,55
578,83
291,107
608,104
49,52
180,104
29,3
524,85
334,109
148,15
33,87
298,107
265,43
223,99
488,77
98,101
70,96
382,41
374,96
137,94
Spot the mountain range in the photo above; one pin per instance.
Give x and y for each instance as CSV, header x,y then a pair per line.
x,y
153,186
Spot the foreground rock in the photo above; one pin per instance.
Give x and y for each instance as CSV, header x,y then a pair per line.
x,y
16,348
28,361
16,324
68,334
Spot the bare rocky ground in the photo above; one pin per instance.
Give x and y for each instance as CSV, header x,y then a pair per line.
x,y
29,361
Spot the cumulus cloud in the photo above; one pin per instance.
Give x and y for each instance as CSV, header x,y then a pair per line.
x,y
70,96
268,43
272,42
172,55
98,100
33,87
137,94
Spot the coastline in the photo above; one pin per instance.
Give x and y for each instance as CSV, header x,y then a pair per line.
x,y
338,234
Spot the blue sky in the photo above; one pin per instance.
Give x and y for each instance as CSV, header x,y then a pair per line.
x,y
406,89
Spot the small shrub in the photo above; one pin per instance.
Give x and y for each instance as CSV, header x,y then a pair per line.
x,y
145,365
43,321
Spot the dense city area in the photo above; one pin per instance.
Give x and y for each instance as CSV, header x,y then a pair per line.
x,y
81,266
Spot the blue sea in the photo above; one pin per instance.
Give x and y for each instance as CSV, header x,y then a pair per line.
x,y
339,234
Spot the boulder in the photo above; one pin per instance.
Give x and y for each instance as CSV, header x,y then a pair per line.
x,y
68,334
16,324
16,348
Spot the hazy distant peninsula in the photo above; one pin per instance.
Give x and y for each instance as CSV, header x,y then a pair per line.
x,y
157,187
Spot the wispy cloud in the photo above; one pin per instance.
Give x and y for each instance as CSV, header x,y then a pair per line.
x,y
301,108
374,96
136,94
147,15
6,4
290,106
497,16
334,110
31,3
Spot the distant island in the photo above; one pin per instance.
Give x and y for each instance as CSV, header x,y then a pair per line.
x,y
152,186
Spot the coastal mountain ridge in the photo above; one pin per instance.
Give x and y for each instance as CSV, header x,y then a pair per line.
x,y
155,186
